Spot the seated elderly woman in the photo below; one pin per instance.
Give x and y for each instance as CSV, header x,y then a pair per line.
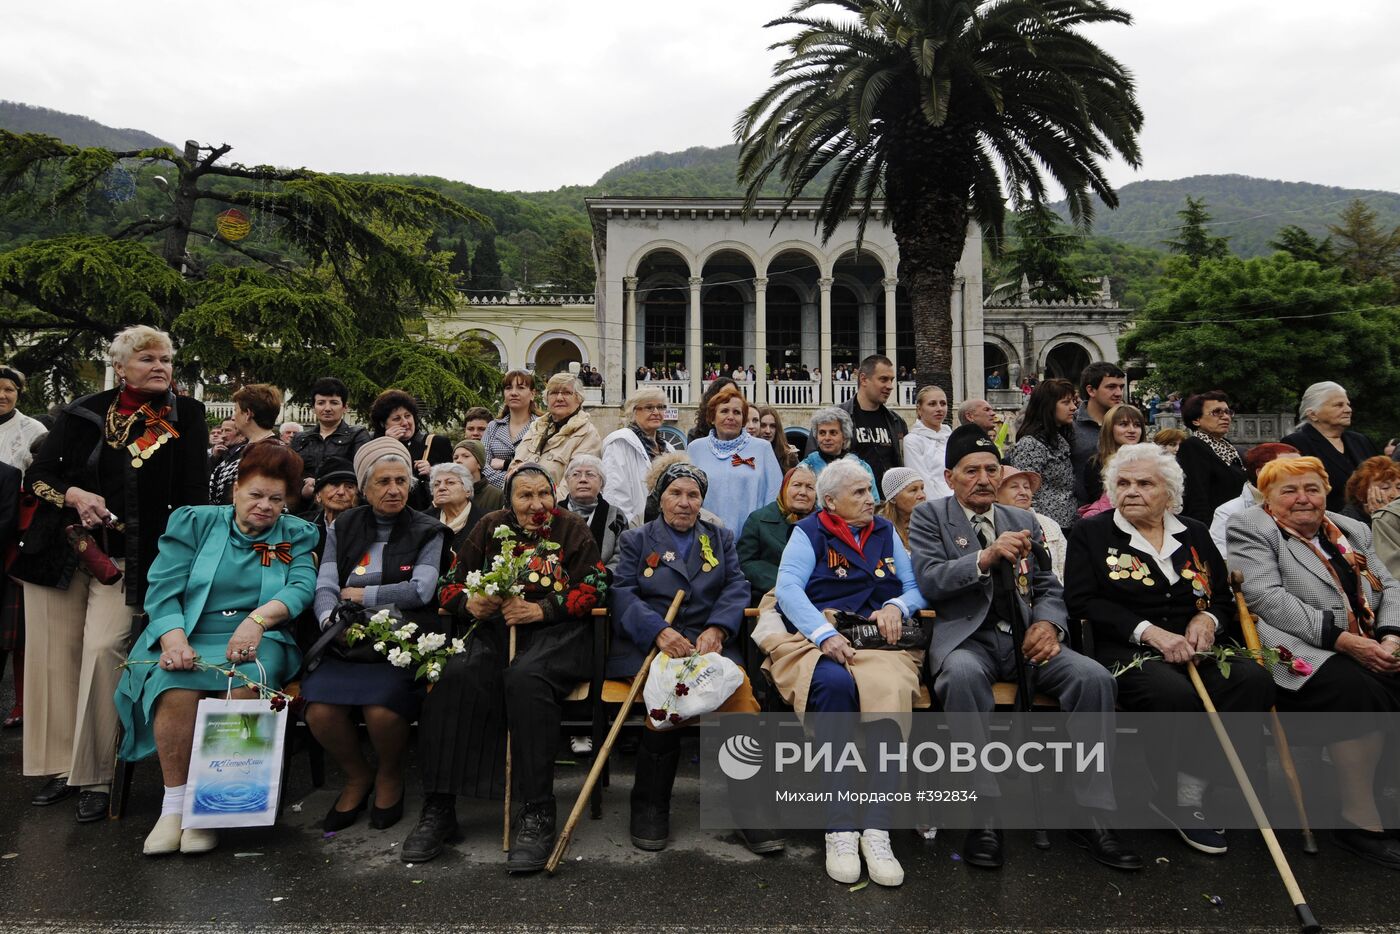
x,y
766,533
1018,488
832,432
843,558
1150,580
1374,485
377,554
586,479
471,454
563,432
223,585
484,694
453,497
677,551
904,489
1322,593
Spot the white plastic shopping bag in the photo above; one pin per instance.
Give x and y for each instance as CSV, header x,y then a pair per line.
x,y
680,688
236,764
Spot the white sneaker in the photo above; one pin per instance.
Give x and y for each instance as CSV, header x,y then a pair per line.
x,y
164,837
843,856
884,869
198,841
581,745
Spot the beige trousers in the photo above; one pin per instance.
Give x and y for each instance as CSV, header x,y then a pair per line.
x,y
74,641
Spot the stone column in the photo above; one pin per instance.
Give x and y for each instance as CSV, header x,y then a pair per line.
x,y
867,329
825,332
629,357
760,339
891,343
694,361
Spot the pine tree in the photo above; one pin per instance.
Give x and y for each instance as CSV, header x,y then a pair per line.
x,y
1299,244
461,263
1193,240
1364,250
1041,255
486,274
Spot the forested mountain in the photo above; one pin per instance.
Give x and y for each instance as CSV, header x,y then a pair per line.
x,y
73,129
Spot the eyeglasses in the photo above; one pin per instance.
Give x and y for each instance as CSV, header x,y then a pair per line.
x,y
658,407
1219,413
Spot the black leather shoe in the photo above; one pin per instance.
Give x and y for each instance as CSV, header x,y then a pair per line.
x,y
982,847
384,818
92,806
54,791
534,840
1103,844
436,826
763,842
1370,845
650,823
339,820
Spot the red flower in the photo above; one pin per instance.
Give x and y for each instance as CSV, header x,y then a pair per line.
x,y
581,599
279,702
658,715
675,718
1284,655
681,689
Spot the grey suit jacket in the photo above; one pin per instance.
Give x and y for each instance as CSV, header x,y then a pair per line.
x,y
1292,592
944,548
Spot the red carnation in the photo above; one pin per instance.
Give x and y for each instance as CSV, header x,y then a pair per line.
x,y
279,702
658,715
681,690
675,718
581,599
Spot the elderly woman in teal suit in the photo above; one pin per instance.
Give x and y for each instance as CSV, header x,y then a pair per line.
x,y
677,551
224,582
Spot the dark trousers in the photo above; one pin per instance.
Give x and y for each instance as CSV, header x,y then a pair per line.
x,y
533,710
833,691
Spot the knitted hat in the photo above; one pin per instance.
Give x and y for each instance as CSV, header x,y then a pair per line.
x,y
375,450
478,451
965,440
896,479
334,470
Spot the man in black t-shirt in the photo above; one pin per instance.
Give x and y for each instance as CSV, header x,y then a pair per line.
x,y
879,433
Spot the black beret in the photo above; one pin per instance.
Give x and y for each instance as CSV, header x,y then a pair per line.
x,y
965,440
334,470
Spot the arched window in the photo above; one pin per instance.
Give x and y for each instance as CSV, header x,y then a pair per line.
x,y
666,313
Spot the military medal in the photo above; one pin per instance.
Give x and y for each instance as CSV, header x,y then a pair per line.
x,y
653,560
711,562
840,572
668,557
360,569
960,541
879,572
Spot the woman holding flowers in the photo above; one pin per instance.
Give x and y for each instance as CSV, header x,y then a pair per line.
x,y
531,569
1153,585
379,554
224,583
1331,609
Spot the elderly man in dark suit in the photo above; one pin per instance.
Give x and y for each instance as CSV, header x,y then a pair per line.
x,y
677,551
960,544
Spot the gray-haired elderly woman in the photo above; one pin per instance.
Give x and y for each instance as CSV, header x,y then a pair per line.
x,y
586,478
1148,579
378,554
629,451
563,432
118,462
831,434
1324,431
453,497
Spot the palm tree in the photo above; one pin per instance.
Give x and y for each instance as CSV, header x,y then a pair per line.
x,y
944,108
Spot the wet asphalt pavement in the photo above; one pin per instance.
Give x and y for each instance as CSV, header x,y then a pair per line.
x,y
58,875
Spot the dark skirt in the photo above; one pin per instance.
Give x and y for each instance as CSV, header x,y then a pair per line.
x,y
11,614
364,684
1340,685
462,730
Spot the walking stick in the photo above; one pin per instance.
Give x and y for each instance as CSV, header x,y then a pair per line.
x,y
505,831
601,758
1306,922
1285,755
1024,699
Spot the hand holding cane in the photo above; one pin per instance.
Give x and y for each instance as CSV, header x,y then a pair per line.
x,y
1285,756
505,830
601,758
1306,922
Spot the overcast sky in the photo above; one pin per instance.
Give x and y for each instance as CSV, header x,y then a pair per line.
x,y
533,95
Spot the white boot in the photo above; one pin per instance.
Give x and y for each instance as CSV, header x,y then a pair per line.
x,y
164,837
198,841
884,869
843,856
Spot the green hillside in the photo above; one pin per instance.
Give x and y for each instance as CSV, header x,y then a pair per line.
x,y
73,129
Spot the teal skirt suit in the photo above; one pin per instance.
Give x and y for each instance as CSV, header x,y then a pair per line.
x,y
207,577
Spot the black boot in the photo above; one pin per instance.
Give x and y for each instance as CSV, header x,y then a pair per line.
x,y
651,789
534,841
436,825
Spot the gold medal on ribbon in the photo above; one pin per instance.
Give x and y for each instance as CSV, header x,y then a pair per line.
x,y
360,571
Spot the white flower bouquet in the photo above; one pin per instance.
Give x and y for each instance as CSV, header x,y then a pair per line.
x,y
511,568
404,647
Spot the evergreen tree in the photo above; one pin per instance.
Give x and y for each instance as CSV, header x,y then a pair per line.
x,y
1299,244
1193,240
461,263
486,273
1364,250
1041,255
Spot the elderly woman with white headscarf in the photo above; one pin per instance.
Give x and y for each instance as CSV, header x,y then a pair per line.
x,y
629,452
586,477
563,432
1324,431
378,554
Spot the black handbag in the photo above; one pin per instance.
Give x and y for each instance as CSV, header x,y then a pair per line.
x,y
861,633
347,613
44,556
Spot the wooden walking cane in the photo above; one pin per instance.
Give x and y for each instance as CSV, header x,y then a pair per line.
x,y
601,758
505,831
1285,755
1306,922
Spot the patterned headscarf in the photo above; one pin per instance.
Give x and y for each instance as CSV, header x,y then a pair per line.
x,y
682,470
783,507
527,467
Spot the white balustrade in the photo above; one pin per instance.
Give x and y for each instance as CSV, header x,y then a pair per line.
x,y
746,387
843,390
800,392
908,392
677,390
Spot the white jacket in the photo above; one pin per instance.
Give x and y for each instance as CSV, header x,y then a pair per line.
x,y
625,466
925,450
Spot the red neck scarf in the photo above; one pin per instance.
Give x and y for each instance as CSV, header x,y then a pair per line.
x,y
129,400
842,530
